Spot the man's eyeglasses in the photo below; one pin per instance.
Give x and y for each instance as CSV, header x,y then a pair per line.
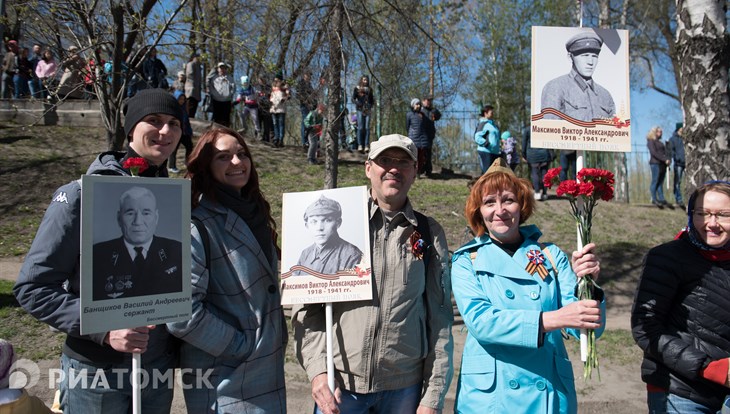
x,y
390,162
704,215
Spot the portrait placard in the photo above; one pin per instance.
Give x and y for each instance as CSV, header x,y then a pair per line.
x,y
135,244
580,89
325,247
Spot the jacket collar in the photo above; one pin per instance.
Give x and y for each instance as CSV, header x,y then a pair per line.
x,y
237,228
513,267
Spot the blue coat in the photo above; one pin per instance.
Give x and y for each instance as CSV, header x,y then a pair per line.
x,y
237,328
504,367
487,137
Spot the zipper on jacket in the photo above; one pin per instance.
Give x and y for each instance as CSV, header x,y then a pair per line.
x,y
374,353
403,254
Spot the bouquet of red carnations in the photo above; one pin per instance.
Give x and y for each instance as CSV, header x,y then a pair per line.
x,y
593,184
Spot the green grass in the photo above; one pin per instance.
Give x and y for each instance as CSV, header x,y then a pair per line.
x,y
33,166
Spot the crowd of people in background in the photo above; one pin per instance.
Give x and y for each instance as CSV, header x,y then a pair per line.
x,y
513,338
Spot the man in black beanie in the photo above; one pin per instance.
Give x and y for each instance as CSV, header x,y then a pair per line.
x,y
48,283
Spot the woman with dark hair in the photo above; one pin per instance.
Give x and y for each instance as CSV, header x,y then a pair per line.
x,y
682,308
237,329
515,294
362,97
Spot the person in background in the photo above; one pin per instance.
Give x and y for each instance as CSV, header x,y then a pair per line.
x,y
34,84
23,76
186,139
13,400
509,150
10,68
392,354
416,125
681,310
675,151
362,97
221,86
193,83
486,136
49,282
432,115
45,70
658,162
279,95
179,83
516,294
307,101
237,328
314,123
539,160
248,96
264,102
72,84
568,159
155,72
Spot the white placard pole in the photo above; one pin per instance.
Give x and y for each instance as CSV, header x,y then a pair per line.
x,y
136,383
330,356
583,332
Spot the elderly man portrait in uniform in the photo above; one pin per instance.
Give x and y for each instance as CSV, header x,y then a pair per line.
x,y
139,262
576,94
329,252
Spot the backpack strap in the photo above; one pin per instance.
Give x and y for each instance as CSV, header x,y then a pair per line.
x,y
205,237
424,230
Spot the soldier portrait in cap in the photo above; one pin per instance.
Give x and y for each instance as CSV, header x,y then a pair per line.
x,y
329,252
576,94
580,89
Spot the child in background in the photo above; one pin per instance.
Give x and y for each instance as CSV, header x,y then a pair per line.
x,y
509,150
279,95
186,139
15,401
313,124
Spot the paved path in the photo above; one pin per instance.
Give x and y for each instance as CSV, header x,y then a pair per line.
x,y
9,268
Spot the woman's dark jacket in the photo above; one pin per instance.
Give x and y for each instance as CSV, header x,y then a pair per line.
x,y
681,320
657,151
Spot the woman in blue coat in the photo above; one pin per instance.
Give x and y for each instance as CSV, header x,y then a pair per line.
x,y
232,354
515,295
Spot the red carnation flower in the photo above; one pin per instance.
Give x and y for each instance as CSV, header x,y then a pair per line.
x,y
135,165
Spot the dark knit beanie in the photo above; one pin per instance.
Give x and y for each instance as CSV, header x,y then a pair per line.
x,y
146,102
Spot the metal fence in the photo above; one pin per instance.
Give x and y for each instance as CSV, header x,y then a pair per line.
x,y
455,149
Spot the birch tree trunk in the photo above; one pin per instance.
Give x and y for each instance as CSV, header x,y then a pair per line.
x,y
703,54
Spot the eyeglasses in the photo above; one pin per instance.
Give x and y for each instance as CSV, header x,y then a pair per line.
x,y
721,216
390,162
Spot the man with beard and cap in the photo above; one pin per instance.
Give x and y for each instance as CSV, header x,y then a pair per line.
x,y
48,284
329,253
576,94
393,353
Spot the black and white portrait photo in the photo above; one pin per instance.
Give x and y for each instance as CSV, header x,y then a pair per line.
x,y
329,252
139,262
325,246
580,89
135,252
